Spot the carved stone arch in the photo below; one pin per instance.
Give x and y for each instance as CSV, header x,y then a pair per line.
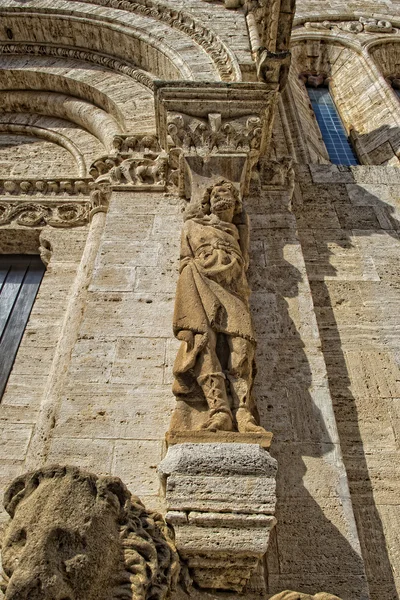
x,y
193,52
369,118
102,125
31,78
50,136
38,68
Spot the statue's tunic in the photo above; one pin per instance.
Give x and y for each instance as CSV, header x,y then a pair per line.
x,y
212,291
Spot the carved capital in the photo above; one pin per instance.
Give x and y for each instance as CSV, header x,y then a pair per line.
x,y
214,135
214,119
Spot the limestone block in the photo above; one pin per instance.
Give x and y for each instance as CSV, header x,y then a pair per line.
x,y
221,502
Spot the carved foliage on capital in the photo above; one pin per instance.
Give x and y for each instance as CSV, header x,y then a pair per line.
x,y
73,534
214,135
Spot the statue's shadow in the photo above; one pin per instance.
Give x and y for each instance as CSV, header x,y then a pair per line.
x,y
346,233
312,547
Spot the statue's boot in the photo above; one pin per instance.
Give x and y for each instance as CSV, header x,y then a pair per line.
x,y
241,394
220,415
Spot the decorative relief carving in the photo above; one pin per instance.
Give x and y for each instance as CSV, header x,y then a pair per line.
x,y
76,535
140,143
34,214
178,19
42,187
100,195
93,57
278,173
144,172
363,25
214,368
215,134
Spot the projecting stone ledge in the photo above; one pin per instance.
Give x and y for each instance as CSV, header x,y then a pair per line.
x,y
221,504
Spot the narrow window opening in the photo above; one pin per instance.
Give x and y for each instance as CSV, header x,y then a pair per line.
x,y
20,278
333,132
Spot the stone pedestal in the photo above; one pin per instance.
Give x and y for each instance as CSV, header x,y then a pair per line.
x,y
221,504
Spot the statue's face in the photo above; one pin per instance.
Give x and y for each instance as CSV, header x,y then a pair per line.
x,y
222,202
62,544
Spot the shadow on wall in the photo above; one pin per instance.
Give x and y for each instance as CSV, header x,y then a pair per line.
x,y
351,244
309,549
378,147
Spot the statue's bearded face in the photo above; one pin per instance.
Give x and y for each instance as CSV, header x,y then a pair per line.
x,y
222,200
62,544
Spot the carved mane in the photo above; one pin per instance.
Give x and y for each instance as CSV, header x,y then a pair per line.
x,y
150,562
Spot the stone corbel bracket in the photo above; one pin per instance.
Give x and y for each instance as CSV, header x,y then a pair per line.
x,y
221,504
225,103
211,120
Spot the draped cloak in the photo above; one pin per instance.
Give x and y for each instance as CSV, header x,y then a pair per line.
x,y
212,291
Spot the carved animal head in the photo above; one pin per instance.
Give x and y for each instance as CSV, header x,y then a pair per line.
x,y
77,536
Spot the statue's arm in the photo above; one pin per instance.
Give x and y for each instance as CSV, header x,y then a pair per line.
x,y
244,237
186,253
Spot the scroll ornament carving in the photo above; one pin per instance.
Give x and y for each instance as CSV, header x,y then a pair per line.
x,y
214,135
56,214
214,368
363,25
76,535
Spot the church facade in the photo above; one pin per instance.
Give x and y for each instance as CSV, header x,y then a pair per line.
x,y
199,296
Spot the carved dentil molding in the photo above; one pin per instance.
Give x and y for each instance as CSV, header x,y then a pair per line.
x,y
44,187
81,54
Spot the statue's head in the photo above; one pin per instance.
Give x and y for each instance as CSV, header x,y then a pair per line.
x,y
77,536
222,196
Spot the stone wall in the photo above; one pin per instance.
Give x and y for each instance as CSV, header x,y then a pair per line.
x,y
348,226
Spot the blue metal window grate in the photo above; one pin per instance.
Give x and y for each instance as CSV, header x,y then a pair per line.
x,y
332,130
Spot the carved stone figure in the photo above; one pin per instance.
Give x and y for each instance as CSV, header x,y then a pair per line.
x,y
212,318
77,536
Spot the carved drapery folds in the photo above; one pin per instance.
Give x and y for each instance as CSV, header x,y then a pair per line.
x,y
73,534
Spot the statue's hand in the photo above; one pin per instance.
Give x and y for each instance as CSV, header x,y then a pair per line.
x,y
186,336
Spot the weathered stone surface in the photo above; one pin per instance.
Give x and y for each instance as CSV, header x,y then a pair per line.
x,y
73,534
221,503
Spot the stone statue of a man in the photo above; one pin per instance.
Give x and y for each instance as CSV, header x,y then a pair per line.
x,y
212,319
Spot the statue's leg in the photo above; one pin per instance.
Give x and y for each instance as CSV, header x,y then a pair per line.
x,y
213,384
240,375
